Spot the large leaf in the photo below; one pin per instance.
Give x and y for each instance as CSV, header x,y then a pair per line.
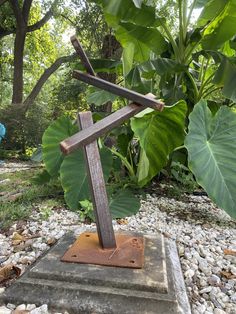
x,y
73,176
211,8
128,11
100,97
226,77
140,51
159,133
137,83
222,28
128,58
160,66
211,144
54,134
134,25
124,204
148,36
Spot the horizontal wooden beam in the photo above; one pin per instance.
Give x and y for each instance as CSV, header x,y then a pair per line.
x,y
119,91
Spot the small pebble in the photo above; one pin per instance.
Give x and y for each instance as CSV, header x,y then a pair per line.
x,y
5,310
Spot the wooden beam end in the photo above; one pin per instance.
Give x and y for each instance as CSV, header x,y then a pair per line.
x,y
64,148
73,38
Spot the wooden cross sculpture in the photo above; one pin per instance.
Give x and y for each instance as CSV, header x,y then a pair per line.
x,y
103,247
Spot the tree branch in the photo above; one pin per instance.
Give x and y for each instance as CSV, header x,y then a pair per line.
x,y
44,77
68,19
5,32
17,12
30,28
41,22
26,10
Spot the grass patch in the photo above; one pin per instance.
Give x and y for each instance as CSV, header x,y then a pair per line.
x,y
19,196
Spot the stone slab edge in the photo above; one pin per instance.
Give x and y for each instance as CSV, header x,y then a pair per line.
x,y
175,279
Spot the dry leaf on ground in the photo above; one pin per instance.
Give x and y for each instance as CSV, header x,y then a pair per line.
x,y
229,252
227,274
17,237
122,221
8,272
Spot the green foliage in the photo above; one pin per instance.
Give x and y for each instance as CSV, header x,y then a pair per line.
x,y
100,97
226,77
55,133
73,173
211,144
193,61
159,133
37,155
35,197
41,178
222,27
183,175
124,204
86,210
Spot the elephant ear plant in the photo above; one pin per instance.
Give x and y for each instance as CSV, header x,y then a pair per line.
x,y
71,171
211,144
187,59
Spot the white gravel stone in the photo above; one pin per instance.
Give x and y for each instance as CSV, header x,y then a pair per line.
x,y
189,273
219,311
11,306
214,280
4,310
21,307
30,307
205,290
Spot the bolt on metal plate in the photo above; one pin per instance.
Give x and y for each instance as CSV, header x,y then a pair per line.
x,y
129,252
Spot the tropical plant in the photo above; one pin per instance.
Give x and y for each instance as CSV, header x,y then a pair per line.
x,y
71,170
193,61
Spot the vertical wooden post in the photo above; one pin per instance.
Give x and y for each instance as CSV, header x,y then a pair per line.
x,y
98,189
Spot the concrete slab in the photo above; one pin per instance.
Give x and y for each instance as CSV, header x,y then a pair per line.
x,y
82,288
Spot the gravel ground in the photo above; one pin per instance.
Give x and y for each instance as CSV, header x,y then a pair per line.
x,y
205,237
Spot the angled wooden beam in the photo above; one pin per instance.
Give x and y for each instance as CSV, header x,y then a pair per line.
x,y
81,53
100,128
119,91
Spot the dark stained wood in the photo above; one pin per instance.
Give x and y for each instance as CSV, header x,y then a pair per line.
x,y
97,185
118,90
98,129
83,57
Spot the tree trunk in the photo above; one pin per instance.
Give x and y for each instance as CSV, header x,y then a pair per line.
x,y
19,44
111,49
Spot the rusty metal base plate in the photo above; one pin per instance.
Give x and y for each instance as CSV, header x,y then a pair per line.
x,y
86,249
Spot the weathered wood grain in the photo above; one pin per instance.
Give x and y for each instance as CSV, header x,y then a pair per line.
x,y
83,57
97,186
100,128
118,90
